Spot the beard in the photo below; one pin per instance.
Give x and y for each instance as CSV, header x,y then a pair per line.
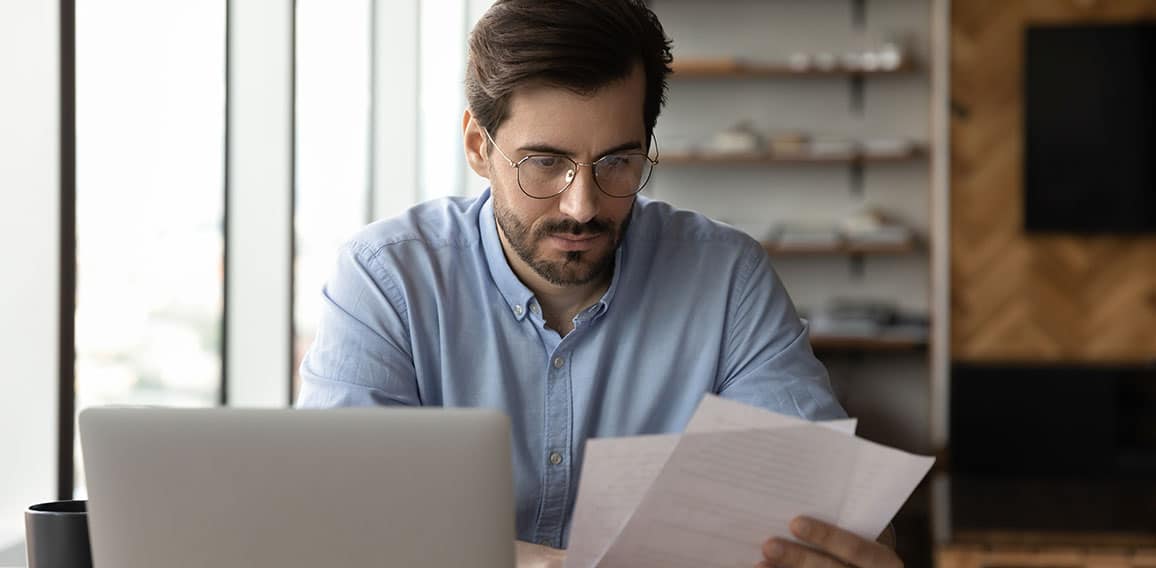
x,y
576,268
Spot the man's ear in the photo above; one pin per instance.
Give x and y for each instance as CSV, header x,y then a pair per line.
x,y
474,141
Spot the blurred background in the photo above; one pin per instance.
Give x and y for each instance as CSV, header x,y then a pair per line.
x,y
960,196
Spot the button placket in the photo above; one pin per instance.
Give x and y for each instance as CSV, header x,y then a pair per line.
x,y
557,475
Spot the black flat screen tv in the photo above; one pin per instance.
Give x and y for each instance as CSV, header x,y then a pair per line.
x,y
1090,129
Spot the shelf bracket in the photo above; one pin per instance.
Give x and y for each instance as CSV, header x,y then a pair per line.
x,y
858,264
857,174
859,14
858,85
858,22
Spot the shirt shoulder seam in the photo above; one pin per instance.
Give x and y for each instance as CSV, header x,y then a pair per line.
x,y
372,262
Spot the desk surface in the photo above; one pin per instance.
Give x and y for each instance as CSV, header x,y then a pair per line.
x,y
529,556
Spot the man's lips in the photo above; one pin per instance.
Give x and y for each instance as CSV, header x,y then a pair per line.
x,y
572,242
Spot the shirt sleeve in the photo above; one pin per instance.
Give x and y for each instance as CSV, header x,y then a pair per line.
x,y
769,362
361,354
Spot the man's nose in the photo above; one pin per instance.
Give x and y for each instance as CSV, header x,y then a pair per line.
x,y
580,200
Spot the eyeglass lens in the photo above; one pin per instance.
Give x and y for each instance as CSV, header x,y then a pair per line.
x,y
618,175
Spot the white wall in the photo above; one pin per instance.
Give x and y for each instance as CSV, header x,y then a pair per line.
x,y
29,249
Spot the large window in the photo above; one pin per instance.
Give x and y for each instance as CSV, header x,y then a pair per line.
x,y
360,65
377,102
150,110
332,193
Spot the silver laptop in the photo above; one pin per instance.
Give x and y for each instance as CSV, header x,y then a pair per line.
x,y
217,488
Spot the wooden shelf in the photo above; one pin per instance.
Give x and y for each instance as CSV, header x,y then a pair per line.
x,y
732,69
757,158
837,343
775,249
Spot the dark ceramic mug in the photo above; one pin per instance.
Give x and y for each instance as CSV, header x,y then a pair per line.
x,y
57,535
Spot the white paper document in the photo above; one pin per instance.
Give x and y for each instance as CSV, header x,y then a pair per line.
x,y
712,496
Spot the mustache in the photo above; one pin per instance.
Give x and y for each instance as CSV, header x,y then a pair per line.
x,y
572,227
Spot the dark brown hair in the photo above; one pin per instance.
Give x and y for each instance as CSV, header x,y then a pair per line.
x,y
580,45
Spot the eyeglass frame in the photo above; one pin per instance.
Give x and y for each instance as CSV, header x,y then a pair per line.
x,y
577,167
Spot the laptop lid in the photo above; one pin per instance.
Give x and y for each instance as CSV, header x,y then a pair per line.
x,y
298,488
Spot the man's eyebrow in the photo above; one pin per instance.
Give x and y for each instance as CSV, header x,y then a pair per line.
x,y
548,149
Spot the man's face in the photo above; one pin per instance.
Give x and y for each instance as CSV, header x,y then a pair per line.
x,y
569,239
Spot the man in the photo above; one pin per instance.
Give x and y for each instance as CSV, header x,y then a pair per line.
x,y
559,296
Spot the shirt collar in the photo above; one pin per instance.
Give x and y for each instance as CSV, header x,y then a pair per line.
x,y
604,303
620,256
516,294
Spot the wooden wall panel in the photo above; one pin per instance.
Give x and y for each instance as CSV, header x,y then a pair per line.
x,y
1056,299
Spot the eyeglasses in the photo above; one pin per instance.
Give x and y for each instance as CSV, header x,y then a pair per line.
x,y
542,176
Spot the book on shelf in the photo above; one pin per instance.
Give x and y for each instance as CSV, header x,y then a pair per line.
x,y
867,320
744,142
871,227
806,235
832,148
887,147
891,235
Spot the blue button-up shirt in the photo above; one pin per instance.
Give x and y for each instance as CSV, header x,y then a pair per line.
x,y
423,309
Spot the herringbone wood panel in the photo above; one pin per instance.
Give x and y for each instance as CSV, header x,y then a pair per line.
x,y
1031,298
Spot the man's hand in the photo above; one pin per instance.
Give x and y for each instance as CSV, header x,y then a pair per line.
x,y
538,556
833,548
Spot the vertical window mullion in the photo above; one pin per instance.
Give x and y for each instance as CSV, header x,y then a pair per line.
x,y
67,256
259,202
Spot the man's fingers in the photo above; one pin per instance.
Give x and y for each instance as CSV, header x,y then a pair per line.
x,y
784,554
844,545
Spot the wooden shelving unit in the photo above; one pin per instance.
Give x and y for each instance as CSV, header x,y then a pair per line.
x,y
838,343
746,78
734,69
775,249
767,158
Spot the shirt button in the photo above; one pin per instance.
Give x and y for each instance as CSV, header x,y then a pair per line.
x,y
555,458
518,310
535,309
558,362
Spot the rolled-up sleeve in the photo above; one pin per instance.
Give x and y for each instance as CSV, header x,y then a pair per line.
x,y
361,355
769,362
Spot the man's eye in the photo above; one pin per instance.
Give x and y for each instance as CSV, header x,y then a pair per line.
x,y
544,162
615,161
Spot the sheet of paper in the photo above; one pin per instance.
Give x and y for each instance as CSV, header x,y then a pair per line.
x,y
717,414
616,474
712,496
722,494
882,479
881,482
